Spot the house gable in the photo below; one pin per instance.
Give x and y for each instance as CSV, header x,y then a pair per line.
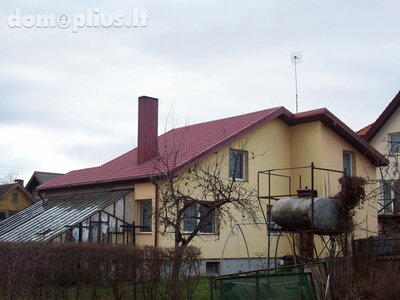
x,y
14,198
196,141
370,131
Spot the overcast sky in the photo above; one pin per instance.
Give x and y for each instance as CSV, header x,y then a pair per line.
x,y
69,100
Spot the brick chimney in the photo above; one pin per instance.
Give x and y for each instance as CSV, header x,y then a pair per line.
x,y
147,129
20,182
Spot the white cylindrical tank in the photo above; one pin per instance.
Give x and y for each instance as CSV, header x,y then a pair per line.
x,y
295,213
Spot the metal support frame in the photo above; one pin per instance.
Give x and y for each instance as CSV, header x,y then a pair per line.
x,y
244,238
275,173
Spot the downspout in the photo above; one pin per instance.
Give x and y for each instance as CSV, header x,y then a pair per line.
x,y
156,242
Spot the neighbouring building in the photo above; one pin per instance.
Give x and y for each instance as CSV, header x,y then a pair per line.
x,y
38,178
384,135
99,204
13,198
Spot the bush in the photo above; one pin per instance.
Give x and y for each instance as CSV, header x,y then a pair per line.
x,y
368,279
92,271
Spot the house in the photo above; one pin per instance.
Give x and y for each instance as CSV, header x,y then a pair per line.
x,y
384,135
38,178
114,202
13,198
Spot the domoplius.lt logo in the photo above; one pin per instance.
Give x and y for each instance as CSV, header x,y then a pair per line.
x,y
93,18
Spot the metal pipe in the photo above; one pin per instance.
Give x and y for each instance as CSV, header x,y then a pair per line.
x,y
269,219
312,206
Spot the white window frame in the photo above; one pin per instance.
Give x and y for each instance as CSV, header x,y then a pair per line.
x,y
351,155
395,145
244,164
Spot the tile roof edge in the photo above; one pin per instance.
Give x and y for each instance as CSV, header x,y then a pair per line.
x,y
383,117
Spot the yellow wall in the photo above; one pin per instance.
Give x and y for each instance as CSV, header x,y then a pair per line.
x,y
7,204
268,147
275,145
380,142
332,148
306,144
144,191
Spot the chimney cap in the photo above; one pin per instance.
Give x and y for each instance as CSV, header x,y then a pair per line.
x,y
20,182
147,98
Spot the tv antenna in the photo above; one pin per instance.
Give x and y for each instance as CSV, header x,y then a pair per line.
x,y
296,58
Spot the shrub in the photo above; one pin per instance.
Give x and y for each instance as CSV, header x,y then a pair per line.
x,y
91,271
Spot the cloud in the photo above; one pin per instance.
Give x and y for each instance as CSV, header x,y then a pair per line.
x,y
67,93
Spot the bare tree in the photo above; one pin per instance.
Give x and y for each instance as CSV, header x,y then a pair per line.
x,y
201,198
9,178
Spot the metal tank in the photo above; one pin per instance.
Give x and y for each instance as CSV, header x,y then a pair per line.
x,y
295,213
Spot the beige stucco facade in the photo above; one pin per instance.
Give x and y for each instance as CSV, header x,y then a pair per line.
x,y
274,145
392,125
388,208
381,139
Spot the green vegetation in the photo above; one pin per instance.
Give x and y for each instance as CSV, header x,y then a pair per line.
x,y
202,289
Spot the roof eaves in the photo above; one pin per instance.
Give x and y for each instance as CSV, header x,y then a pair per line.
x,y
352,137
384,116
275,112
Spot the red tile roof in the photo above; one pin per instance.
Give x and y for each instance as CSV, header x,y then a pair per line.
x,y
191,143
371,130
363,131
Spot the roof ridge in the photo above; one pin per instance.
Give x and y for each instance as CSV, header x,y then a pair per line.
x,y
43,172
224,119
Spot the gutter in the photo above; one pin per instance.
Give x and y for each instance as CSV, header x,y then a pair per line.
x,y
156,242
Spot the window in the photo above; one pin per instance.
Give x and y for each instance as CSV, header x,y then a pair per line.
x,y
389,200
237,164
394,140
195,213
14,197
145,215
212,267
348,163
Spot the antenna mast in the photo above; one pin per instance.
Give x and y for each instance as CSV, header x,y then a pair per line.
x,y
296,58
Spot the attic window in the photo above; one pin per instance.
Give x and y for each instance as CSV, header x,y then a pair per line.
x,y
15,197
348,163
394,140
237,164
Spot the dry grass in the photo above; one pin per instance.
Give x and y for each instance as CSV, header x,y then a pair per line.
x,y
365,278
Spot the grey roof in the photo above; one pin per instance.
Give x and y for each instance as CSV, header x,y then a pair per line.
x,y
39,178
43,177
5,188
47,219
